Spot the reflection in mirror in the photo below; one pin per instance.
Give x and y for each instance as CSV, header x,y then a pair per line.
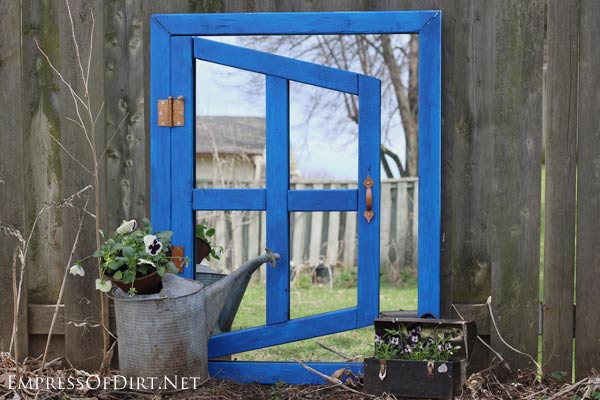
x,y
235,237
230,131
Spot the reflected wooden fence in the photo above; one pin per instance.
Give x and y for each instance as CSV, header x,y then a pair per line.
x,y
327,238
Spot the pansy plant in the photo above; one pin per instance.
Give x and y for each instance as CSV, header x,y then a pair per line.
x,y
415,344
131,253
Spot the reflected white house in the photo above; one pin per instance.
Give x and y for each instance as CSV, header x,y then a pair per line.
x,y
231,149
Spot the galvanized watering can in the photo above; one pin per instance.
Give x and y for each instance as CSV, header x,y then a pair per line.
x,y
165,335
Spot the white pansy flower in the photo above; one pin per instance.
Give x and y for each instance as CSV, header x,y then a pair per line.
x,y
103,286
77,270
144,261
127,227
152,245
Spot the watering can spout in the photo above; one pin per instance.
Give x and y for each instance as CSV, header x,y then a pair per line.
x,y
223,297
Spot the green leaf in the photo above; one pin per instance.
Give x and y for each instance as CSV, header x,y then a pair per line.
x,y
128,277
98,253
113,265
118,275
101,232
161,270
128,252
210,232
172,268
164,235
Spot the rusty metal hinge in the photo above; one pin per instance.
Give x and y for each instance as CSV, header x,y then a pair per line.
x,y
170,111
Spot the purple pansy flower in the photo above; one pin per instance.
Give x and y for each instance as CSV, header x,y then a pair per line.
x,y
413,338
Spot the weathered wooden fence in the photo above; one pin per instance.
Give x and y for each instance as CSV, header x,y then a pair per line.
x,y
572,221
324,237
493,56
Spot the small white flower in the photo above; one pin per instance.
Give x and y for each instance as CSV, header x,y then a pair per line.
x,y
144,261
77,270
395,340
127,227
152,245
378,339
103,286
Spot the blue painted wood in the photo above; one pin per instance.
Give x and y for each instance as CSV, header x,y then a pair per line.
x,y
229,199
278,183
369,142
270,64
430,55
160,140
296,23
272,372
285,332
323,200
183,150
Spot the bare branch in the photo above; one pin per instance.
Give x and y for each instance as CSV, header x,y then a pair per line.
x,y
71,156
62,285
77,52
112,137
58,73
87,75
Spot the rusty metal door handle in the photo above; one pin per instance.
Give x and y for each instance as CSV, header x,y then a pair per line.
x,y
369,214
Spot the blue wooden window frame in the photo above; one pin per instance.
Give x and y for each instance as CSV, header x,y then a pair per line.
x,y
173,48
277,196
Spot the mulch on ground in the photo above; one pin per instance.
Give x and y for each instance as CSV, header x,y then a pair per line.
x,y
523,385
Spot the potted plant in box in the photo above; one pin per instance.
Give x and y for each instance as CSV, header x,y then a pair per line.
x,y
205,250
419,357
133,259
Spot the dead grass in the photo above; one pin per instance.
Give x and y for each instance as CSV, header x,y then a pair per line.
x,y
484,385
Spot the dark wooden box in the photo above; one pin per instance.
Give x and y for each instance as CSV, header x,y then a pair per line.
x,y
415,379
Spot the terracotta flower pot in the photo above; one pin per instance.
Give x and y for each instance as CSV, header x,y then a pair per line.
x,y
149,284
202,250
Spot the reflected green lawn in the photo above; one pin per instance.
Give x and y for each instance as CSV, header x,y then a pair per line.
x,y
316,300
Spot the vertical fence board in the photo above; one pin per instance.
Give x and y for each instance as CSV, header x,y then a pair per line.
x,y
559,239
350,236
468,57
413,218
587,349
316,223
298,233
401,219
386,222
41,162
83,347
237,226
515,206
333,239
12,189
124,51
